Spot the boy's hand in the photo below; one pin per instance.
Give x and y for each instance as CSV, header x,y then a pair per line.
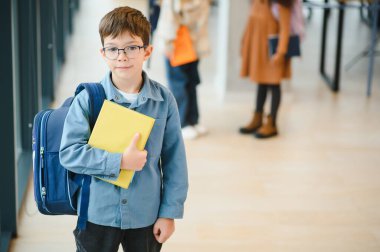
x,y
163,229
133,158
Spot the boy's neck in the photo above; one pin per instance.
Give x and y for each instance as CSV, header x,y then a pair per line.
x,y
129,86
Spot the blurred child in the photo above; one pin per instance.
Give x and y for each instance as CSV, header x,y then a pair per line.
x,y
266,71
183,79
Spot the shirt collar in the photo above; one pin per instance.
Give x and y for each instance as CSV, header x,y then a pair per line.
x,y
149,90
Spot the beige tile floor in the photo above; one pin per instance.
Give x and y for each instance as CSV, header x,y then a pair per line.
x,y
316,187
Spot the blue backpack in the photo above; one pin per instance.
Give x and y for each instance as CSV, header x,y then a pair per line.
x,y
57,189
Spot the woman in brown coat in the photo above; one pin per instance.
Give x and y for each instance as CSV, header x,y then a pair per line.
x,y
260,67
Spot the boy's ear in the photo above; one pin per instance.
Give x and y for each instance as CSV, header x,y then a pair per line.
x,y
148,52
102,52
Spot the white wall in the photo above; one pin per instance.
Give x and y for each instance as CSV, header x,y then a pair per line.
x,y
233,15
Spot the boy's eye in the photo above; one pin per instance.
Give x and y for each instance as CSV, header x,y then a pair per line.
x,y
112,49
132,48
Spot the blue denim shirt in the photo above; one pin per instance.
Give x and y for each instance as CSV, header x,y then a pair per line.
x,y
159,189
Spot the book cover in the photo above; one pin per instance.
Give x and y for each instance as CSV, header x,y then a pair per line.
x,y
113,131
294,48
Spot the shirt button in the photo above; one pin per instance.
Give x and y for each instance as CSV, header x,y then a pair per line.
x,y
144,98
116,98
124,201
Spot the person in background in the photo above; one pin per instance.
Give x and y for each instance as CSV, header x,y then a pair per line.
x,y
260,67
154,13
183,79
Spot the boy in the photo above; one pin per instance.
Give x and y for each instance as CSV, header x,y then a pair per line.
x,y
141,218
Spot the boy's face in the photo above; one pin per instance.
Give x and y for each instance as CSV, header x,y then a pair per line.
x,y
127,65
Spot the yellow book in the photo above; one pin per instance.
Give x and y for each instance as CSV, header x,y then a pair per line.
x,y
114,130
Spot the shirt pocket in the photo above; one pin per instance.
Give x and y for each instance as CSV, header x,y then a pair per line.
x,y
154,143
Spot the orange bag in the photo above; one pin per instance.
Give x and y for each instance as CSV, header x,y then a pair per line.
x,y
183,51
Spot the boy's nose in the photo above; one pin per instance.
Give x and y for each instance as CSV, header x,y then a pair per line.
x,y
122,56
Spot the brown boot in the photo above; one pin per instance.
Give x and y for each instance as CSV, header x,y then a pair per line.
x,y
256,122
267,130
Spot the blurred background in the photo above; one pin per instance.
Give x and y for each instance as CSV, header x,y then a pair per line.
x,y
315,187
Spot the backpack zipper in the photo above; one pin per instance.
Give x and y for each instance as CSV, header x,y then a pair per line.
x,y
42,160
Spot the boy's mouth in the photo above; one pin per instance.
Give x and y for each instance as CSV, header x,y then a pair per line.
x,y
124,67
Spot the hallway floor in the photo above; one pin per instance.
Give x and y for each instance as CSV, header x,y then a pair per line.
x,y
313,188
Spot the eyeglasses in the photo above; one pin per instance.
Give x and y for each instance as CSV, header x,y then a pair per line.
x,y
113,53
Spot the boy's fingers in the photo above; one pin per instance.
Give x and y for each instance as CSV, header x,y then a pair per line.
x,y
156,232
135,139
145,153
157,236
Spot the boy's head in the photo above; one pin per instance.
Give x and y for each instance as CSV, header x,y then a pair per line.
x,y
125,33
124,19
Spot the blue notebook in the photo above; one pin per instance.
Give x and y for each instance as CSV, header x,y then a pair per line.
x,y
294,48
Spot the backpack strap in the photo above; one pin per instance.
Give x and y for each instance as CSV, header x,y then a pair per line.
x,y
97,96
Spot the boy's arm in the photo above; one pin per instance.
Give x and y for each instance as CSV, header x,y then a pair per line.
x,y
174,167
75,154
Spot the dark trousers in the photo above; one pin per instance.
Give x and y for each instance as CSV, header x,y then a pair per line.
x,y
96,238
183,81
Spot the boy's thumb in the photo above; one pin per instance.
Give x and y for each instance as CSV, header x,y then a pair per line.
x,y
135,139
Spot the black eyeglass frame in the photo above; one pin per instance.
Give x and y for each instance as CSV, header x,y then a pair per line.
x,y
122,49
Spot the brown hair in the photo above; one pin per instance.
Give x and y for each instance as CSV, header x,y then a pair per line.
x,y
124,19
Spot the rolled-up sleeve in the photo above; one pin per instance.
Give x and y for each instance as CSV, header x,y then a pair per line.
x,y
75,153
174,166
